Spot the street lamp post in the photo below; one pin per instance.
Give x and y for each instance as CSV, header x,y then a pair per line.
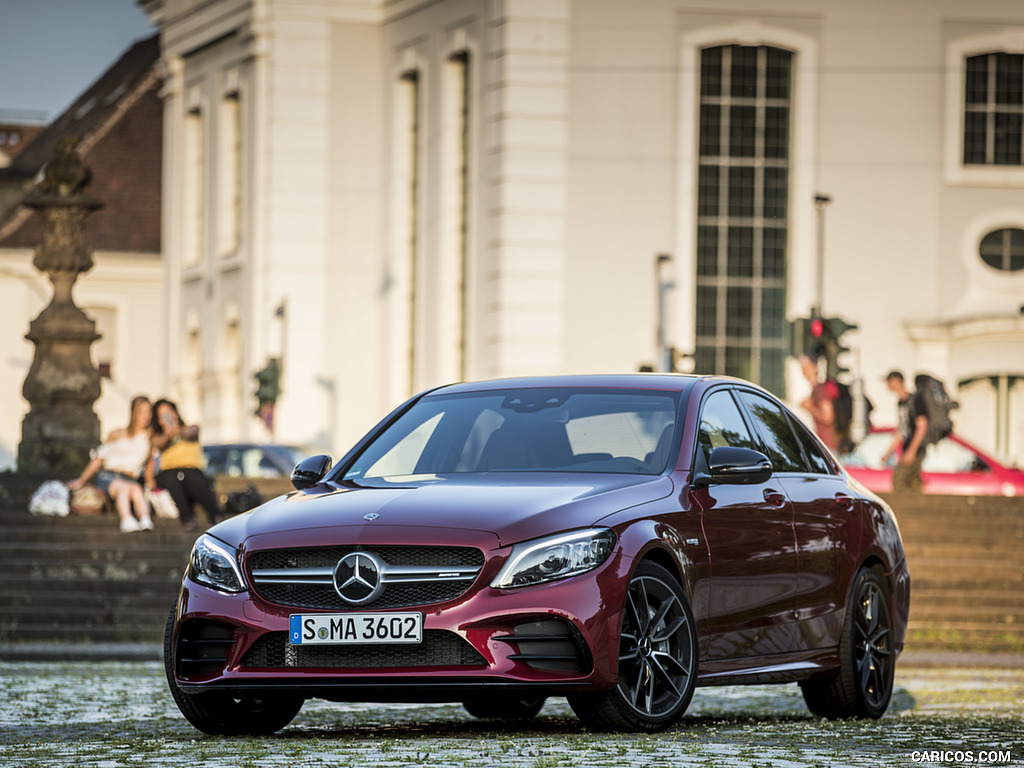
x,y
661,261
821,202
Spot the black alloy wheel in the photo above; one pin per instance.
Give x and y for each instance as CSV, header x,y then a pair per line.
x,y
657,658
864,684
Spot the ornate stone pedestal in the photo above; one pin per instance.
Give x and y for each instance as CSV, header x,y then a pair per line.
x,y
62,384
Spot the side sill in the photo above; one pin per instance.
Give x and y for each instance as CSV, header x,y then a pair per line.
x,y
786,668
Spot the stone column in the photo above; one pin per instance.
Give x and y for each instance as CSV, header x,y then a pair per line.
x,y
61,386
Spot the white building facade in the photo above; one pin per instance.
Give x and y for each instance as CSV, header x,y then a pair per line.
x,y
388,195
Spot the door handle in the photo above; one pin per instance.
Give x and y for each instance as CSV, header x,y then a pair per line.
x,y
773,497
844,501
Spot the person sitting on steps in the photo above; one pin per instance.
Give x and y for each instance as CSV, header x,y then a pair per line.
x,y
118,464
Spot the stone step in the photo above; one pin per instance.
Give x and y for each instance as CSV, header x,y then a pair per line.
x,y
142,549
72,596
67,603
925,612
30,586
98,612
974,597
980,637
105,532
122,632
981,566
945,643
958,583
999,548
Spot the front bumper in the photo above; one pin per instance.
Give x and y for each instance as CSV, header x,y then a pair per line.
x,y
557,637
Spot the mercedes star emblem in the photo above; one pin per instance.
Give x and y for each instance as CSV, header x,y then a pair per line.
x,y
357,578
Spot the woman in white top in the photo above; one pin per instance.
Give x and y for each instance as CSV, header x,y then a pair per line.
x,y
118,464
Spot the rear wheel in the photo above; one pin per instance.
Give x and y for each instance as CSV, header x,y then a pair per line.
x,y
657,659
864,684
220,713
500,709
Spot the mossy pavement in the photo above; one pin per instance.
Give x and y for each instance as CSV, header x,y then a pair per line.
x,y
120,714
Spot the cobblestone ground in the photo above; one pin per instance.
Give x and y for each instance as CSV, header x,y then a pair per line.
x,y
112,714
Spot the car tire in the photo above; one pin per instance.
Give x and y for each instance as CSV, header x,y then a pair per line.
x,y
658,655
219,713
499,709
863,686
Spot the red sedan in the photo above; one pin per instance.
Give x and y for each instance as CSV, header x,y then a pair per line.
x,y
951,466
617,540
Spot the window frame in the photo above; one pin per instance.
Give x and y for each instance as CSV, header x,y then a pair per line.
x,y
991,109
958,51
1006,251
1009,284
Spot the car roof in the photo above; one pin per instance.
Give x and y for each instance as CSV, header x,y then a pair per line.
x,y
271,446
676,382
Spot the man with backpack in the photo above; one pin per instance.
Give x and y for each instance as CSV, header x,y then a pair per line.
x,y
911,433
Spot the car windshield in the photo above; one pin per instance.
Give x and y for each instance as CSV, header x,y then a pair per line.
x,y
524,430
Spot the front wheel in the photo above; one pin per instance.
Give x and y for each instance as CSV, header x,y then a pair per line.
x,y
657,659
864,684
220,713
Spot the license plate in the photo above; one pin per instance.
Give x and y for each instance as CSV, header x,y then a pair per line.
x,y
355,628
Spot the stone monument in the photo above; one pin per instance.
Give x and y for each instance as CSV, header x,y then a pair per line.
x,y
61,386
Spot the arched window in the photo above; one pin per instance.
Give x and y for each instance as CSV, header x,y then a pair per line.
x,y
1003,249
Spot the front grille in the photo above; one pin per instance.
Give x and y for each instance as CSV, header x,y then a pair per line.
x,y
304,578
439,648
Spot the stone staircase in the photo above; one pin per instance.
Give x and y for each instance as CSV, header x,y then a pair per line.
x,y
79,580
966,558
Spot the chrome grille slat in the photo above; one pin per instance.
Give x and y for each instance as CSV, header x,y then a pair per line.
x,y
294,575
411,576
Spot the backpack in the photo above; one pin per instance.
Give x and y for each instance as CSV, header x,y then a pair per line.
x,y
843,408
937,405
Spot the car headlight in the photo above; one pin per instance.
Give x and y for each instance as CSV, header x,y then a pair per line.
x,y
555,557
214,565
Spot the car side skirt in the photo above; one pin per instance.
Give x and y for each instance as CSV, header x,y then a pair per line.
x,y
785,668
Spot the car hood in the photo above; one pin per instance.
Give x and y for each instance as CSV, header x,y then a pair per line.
x,y
511,506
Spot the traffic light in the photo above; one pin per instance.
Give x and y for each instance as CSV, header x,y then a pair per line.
x,y
820,337
836,327
817,341
807,336
269,386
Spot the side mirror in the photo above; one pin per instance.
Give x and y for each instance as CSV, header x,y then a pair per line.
x,y
736,466
311,471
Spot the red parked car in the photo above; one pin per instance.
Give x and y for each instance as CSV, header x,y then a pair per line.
x,y
951,466
617,540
